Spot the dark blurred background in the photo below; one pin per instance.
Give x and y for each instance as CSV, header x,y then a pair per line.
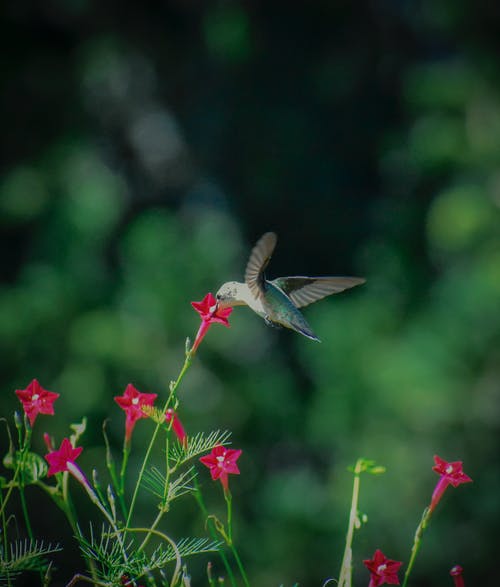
x,y
147,145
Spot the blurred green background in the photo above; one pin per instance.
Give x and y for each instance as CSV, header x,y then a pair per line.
x,y
146,146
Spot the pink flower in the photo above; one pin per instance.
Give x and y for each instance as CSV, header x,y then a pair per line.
x,y
222,462
132,402
36,400
456,573
60,459
382,570
210,314
451,474
177,427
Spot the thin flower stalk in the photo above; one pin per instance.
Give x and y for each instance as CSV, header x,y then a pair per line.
x,y
451,473
212,529
229,540
346,567
173,389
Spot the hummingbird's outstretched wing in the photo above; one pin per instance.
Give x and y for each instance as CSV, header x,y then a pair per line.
x,y
259,258
306,290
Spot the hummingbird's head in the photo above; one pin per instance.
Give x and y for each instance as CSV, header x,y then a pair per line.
x,y
227,294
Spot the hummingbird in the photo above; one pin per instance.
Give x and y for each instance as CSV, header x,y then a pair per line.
x,y
278,300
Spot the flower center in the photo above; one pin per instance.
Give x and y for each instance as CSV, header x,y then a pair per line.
x,y
135,401
449,470
220,461
381,568
34,397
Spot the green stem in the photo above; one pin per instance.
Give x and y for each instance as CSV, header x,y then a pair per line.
x,y
173,389
417,542
121,486
24,507
213,532
65,504
346,568
228,498
4,533
164,504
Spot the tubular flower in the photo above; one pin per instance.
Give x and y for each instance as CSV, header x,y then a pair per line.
x,y
451,474
456,573
177,427
222,462
210,314
132,402
36,400
382,570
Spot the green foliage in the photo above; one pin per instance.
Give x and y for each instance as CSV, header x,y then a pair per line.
x,y
24,555
31,466
198,444
113,560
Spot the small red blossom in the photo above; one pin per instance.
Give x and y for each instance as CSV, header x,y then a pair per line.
x,y
177,427
132,402
36,400
382,570
48,442
222,462
451,474
59,459
210,313
456,573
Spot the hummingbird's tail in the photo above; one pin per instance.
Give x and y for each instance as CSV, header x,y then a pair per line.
x,y
300,325
309,333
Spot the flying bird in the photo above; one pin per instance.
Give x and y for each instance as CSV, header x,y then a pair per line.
x,y
278,300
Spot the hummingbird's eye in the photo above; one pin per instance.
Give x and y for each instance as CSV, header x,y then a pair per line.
x,y
218,296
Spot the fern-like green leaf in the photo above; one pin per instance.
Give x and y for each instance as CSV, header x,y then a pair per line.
x,y
155,481
199,444
25,555
106,551
161,556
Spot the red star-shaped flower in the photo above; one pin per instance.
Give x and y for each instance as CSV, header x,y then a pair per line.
x,y
451,474
59,459
222,462
382,570
132,402
210,314
36,400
